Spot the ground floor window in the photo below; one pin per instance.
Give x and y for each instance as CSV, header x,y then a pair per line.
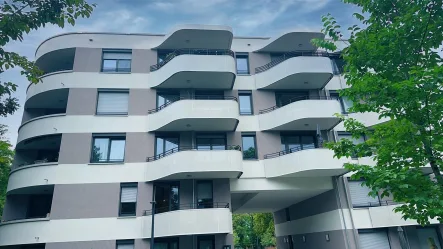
x,y
373,239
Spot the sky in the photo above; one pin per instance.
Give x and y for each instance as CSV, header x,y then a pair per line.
x,y
264,18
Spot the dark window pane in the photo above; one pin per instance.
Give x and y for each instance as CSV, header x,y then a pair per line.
x,y
109,65
164,98
287,98
127,208
249,150
175,197
308,142
245,104
204,194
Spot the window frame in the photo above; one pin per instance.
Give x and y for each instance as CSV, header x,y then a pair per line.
x,y
127,185
160,93
164,147
211,205
118,51
245,93
205,237
242,55
214,134
254,136
111,91
110,138
300,136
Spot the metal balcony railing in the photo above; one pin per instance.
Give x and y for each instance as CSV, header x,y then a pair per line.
x,y
195,205
374,204
291,150
178,52
289,55
197,97
190,148
270,109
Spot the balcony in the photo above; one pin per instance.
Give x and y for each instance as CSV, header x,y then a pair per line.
x,y
291,41
307,161
56,61
194,68
197,36
304,113
52,102
202,113
37,151
213,218
196,162
295,70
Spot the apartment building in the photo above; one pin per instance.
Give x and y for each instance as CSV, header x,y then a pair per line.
x,y
203,124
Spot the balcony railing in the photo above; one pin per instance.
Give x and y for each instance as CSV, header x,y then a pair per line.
x,y
190,148
199,205
178,52
374,204
289,55
197,97
291,150
270,109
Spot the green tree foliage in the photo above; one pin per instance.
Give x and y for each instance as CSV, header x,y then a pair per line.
x,y
21,16
6,156
393,69
253,230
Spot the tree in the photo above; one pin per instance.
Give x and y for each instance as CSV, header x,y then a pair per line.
x,y
393,68
6,157
253,230
21,16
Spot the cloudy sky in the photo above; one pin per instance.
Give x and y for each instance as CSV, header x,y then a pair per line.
x,y
246,17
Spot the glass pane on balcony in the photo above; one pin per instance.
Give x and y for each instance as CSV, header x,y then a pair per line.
x,y
287,98
171,143
203,143
308,142
100,150
161,245
175,201
117,150
218,143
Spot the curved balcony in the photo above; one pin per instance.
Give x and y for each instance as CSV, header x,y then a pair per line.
x,y
190,219
305,113
197,36
212,114
195,68
299,72
305,161
291,41
198,162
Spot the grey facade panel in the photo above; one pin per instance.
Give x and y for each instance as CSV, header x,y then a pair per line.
x,y
234,138
280,216
144,197
186,138
316,205
139,145
222,191
75,201
258,60
142,59
262,100
82,101
222,240
101,244
75,148
268,142
141,101
186,192
337,239
87,60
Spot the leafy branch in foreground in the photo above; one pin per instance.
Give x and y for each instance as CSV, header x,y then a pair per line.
x,y
393,68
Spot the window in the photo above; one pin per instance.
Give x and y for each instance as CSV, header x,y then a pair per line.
x,y
211,141
249,146
338,65
209,95
125,244
128,199
165,143
344,101
206,242
112,102
163,54
108,149
116,61
167,197
242,60
359,195
166,243
204,194
292,143
167,97
285,98
245,102
346,135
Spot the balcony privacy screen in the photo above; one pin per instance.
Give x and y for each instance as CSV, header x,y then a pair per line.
x,y
359,195
112,103
129,195
374,240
